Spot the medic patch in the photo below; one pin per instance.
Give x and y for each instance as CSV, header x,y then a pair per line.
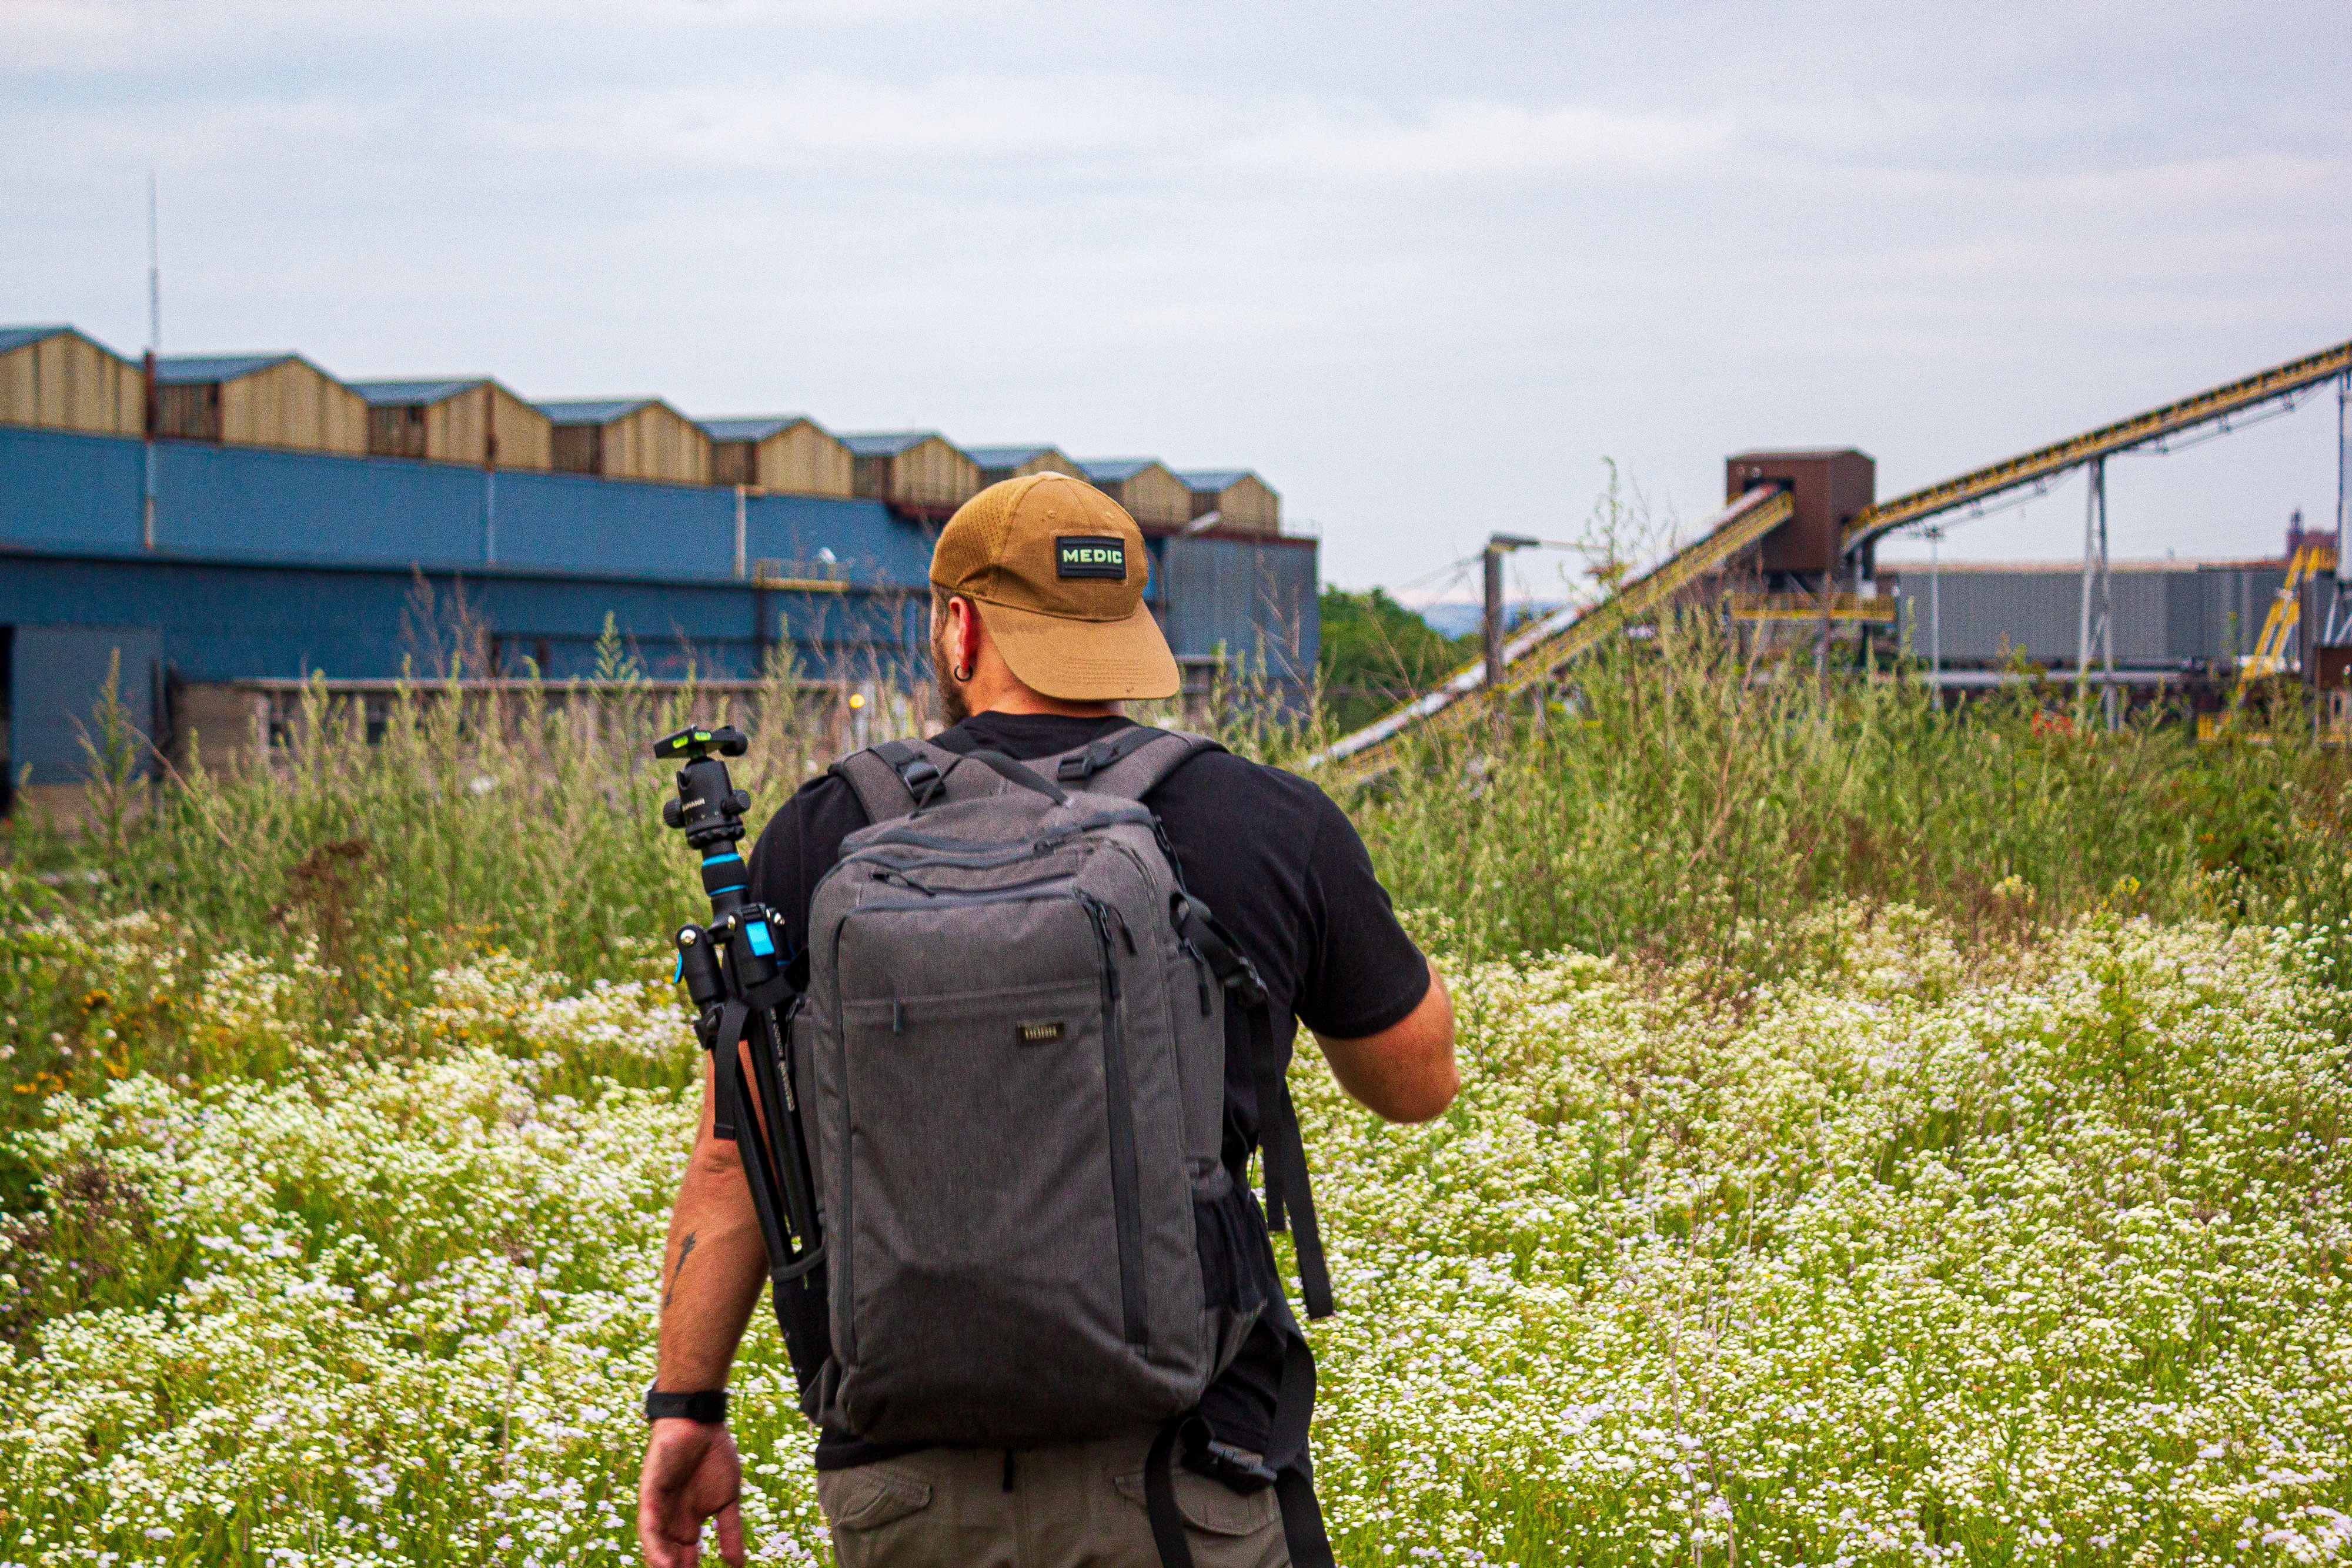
x,y
1090,555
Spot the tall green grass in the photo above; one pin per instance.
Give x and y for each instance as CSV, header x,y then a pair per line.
x,y
448,821
1682,801
1677,802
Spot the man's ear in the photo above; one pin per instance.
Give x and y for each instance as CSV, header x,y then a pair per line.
x,y
968,632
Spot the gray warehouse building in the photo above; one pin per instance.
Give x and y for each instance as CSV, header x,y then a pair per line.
x,y
2181,616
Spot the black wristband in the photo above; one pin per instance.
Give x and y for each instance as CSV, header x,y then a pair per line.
x,y
708,1406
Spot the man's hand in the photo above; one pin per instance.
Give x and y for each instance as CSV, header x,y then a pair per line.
x,y
691,1472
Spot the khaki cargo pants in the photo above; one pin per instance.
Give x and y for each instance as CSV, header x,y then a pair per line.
x,y
1078,1506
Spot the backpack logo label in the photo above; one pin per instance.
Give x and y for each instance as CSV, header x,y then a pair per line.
x,y
1039,1033
1090,555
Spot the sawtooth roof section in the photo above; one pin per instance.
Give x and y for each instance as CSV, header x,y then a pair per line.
x,y
888,442
413,391
1212,479
594,411
1007,456
1115,470
12,337
752,426
195,370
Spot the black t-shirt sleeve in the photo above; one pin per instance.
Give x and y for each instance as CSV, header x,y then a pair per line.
x,y
1363,974
799,845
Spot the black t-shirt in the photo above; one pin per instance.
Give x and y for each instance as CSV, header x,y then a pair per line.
x,y
1278,864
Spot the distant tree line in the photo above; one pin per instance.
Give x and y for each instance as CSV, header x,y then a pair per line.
x,y
1377,653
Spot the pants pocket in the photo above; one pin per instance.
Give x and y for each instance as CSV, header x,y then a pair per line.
x,y
1215,1510
860,1501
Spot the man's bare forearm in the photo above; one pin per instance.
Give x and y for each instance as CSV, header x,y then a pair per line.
x,y
713,1267
1405,1072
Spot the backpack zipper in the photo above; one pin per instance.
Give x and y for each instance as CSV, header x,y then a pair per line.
x,y
1126,1211
900,878
1200,975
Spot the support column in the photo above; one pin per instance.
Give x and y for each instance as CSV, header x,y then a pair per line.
x,y
1498,547
2338,625
1935,532
2094,629
1492,621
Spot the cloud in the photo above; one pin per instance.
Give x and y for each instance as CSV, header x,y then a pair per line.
x,y
50,36
1484,140
1410,263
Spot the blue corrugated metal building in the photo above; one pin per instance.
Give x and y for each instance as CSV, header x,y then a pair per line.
x,y
196,562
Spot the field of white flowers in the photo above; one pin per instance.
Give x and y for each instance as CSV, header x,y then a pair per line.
x,y
2027,1254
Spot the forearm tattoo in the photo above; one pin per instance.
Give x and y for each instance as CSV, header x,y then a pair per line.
x,y
685,1249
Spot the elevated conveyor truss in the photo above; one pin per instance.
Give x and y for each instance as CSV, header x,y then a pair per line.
x,y
1537,653
2207,407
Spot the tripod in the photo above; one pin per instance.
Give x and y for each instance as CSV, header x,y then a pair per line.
x,y
744,995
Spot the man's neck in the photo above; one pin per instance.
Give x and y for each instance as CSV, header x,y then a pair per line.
x,y
1015,699
1020,699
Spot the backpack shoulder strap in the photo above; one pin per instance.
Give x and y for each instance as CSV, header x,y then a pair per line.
x,y
896,778
1130,763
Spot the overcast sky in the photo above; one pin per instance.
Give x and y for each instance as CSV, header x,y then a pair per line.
x,y
1421,266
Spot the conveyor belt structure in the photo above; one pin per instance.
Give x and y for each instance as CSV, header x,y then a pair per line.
x,y
2047,463
1539,653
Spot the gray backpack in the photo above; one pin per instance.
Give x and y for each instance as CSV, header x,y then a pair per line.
x,y
1013,1047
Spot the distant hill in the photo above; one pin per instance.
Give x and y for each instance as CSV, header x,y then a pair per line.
x,y
1461,618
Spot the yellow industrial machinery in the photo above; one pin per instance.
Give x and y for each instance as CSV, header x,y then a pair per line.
x,y
1807,608
2272,650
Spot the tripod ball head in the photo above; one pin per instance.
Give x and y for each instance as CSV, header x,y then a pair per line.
x,y
708,806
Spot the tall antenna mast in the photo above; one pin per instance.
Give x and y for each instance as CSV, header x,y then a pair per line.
x,y
150,415
155,276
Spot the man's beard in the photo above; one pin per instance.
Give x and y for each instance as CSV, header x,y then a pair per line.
x,y
952,703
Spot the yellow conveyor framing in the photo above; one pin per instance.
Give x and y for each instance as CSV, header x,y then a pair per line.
x,y
1537,653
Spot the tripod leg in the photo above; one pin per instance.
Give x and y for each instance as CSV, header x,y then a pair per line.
x,y
771,1038
732,1087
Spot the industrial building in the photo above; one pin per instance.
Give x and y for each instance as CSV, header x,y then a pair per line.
x,y
2171,620
469,419
788,453
1146,487
228,528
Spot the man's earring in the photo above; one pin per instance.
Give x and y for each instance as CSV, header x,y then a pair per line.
x,y
962,673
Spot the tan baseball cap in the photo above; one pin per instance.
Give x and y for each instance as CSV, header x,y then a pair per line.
x,y
1057,569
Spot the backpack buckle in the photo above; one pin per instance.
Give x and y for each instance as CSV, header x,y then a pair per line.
x,y
1232,966
1079,766
1246,987
1236,1470
923,780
